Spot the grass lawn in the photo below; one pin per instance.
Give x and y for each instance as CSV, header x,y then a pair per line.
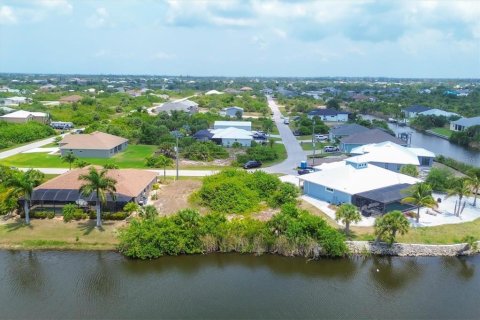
x,y
282,155
443,131
308,137
133,157
56,234
309,146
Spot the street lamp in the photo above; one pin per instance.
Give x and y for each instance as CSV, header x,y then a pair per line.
x,y
176,134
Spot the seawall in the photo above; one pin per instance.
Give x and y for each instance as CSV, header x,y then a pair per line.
x,y
410,250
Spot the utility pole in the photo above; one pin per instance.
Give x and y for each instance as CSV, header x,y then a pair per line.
x,y
313,140
176,153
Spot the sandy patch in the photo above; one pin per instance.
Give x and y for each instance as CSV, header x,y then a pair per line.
x,y
174,196
44,150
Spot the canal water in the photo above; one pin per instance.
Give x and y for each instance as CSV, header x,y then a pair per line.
x,y
64,285
437,145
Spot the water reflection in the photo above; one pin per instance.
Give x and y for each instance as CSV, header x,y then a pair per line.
x,y
25,272
463,266
393,276
98,279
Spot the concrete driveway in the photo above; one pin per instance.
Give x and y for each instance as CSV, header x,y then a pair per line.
x,y
294,150
33,145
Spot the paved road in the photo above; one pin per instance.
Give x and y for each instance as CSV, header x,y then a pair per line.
x,y
294,150
33,145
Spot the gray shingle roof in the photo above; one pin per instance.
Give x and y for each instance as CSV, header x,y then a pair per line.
x,y
417,108
372,136
348,129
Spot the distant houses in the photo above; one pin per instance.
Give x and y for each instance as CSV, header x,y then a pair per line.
x,y
22,116
332,115
213,92
464,123
188,106
415,110
368,137
92,145
233,135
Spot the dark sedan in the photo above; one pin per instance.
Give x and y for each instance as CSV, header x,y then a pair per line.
x,y
252,164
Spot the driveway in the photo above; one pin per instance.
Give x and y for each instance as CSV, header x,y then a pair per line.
x,y
33,145
295,153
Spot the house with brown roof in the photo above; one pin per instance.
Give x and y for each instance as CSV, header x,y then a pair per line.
x,y
92,145
133,185
71,99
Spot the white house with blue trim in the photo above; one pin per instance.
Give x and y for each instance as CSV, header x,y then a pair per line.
x,y
338,184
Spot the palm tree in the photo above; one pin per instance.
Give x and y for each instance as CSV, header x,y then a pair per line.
x,y
459,187
70,158
389,224
81,163
102,185
23,183
164,162
420,195
473,179
110,165
347,213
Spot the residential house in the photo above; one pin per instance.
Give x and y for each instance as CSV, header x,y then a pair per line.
x,y
188,106
345,130
232,91
464,123
413,111
438,113
246,89
213,92
7,89
232,112
132,185
244,125
14,101
340,183
22,116
368,137
391,156
203,135
92,145
332,115
228,136
70,99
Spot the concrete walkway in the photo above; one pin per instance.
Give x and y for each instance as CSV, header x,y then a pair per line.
x,y
33,145
295,153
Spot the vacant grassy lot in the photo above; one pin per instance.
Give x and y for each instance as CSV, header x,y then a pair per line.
x,y
56,234
282,155
443,131
133,157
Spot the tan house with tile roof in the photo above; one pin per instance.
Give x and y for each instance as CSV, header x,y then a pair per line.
x,y
92,145
133,185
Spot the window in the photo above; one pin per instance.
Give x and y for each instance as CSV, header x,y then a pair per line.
x,y
328,189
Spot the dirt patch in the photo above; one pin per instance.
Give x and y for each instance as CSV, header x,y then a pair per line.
x,y
265,214
174,196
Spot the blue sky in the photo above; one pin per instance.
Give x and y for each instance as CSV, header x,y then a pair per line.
x,y
242,38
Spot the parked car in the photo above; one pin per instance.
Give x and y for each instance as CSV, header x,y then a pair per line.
x,y
321,137
296,133
305,171
252,164
330,149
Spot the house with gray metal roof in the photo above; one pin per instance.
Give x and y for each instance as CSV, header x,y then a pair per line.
x,y
232,112
345,130
368,137
413,111
332,115
464,123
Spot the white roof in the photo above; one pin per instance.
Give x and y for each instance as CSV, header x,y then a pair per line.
x,y
232,123
231,133
350,180
390,152
438,112
24,114
330,165
213,92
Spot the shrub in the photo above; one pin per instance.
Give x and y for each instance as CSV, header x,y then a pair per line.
x,y
259,153
286,193
439,179
131,207
121,215
409,170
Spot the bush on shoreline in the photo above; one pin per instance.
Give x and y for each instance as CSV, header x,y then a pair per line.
x,y
292,232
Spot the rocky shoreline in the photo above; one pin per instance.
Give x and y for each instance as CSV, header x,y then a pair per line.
x,y
411,250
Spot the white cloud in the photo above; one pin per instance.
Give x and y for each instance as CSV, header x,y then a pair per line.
x,y
162,56
7,16
98,19
61,6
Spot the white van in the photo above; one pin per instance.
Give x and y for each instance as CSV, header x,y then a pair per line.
x,y
286,120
